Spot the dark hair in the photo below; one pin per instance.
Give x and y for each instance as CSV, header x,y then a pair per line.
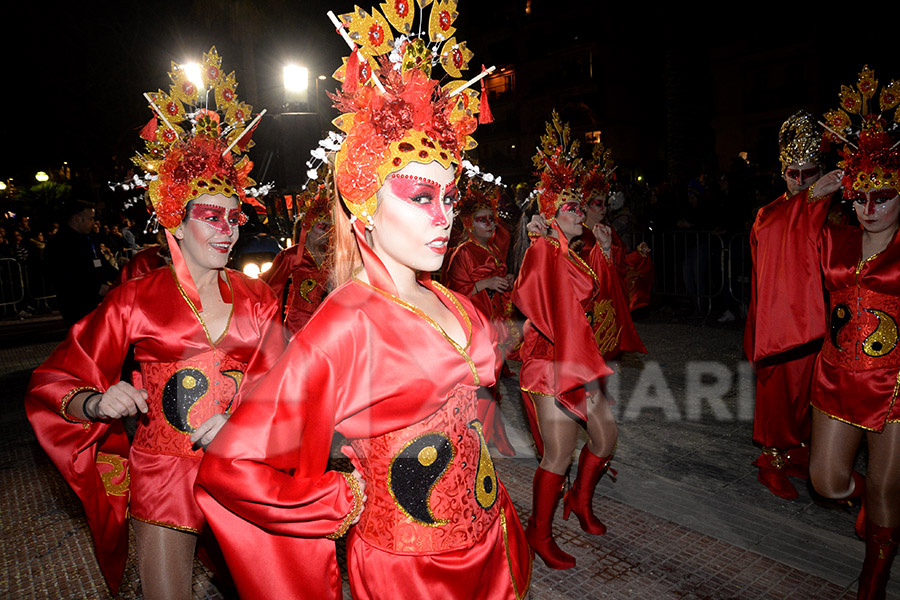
x,y
74,207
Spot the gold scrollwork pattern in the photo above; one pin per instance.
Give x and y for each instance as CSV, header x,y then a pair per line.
x,y
117,479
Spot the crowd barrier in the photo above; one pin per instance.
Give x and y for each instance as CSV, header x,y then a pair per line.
x,y
706,268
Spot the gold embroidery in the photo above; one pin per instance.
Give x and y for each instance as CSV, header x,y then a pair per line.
x,y
881,341
512,576
354,512
68,398
305,287
119,467
197,313
485,476
416,310
166,524
607,332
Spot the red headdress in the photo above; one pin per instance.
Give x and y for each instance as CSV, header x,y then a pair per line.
x,y
478,191
599,173
873,160
394,113
560,169
196,150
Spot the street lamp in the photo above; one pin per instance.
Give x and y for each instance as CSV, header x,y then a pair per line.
x,y
296,84
41,177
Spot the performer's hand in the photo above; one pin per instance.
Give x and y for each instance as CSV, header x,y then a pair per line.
x,y
362,487
537,225
828,184
500,284
604,237
204,435
120,400
644,249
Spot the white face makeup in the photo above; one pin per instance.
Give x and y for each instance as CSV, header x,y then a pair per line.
x,y
569,217
877,210
484,224
800,176
210,231
414,217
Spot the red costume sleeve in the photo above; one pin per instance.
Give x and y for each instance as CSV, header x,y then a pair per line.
x,y
611,290
92,457
787,305
543,292
257,479
280,273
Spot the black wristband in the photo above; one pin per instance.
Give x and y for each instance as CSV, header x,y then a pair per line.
x,y
91,415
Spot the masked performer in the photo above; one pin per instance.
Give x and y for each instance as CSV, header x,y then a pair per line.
x,y
478,269
781,343
303,264
195,330
857,373
390,360
563,363
634,267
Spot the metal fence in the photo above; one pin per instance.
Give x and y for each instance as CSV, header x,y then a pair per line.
x,y
24,287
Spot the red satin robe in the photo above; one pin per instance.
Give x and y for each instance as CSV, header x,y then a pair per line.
x,y
571,324
471,262
786,316
188,379
386,377
635,270
309,284
857,373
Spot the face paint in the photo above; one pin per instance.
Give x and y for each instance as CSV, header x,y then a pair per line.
x,y
572,207
801,175
435,199
486,220
217,218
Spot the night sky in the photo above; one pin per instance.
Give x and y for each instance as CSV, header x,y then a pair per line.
x,y
73,85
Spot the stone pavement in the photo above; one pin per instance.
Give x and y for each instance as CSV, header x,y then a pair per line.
x,y
686,517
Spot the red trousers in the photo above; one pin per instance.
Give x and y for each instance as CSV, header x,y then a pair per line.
x,y
781,417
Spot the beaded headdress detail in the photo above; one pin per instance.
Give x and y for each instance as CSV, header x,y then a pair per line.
x,y
600,173
314,202
870,156
559,167
800,141
196,150
393,112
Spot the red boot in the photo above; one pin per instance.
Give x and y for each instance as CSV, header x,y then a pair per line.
x,y
798,461
580,498
881,548
773,475
546,492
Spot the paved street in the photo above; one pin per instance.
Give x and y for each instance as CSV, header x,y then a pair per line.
x,y
686,516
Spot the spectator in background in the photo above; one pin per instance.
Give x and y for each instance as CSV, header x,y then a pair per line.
x,y
78,270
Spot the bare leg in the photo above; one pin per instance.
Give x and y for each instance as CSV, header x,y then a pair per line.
x,y
559,431
883,476
833,448
601,425
165,561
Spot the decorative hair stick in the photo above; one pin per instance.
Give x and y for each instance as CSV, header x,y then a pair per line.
x,y
246,129
339,27
837,134
473,81
161,115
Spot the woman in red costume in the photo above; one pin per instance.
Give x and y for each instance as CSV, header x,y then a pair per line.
x,y
390,360
857,373
478,269
195,330
303,264
563,366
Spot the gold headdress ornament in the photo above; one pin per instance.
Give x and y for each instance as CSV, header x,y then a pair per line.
x,y
394,113
559,167
599,173
800,141
196,150
873,160
314,202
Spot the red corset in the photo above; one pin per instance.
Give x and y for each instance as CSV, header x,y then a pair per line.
x,y
182,395
862,330
431,487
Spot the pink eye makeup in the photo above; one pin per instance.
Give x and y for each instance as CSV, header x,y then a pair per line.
x,y
217,217
434,198
801,174
484,220
572,207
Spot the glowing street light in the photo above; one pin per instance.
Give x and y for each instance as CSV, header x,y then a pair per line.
x,y
41,176
296,84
